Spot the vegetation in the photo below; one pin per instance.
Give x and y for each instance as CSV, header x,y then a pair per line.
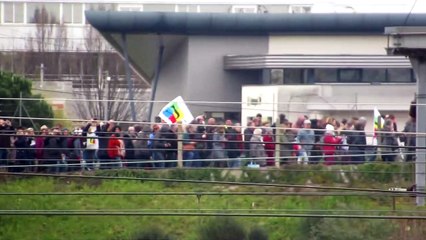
x,y
11,86
195,228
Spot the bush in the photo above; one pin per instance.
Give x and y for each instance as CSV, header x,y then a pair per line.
x,y
345,229
151,233
223,228
258,233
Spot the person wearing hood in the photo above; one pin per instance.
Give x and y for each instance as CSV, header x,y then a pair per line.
x,y
330,150
161,145
257,147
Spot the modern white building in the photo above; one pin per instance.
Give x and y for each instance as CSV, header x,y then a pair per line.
x,y
340,75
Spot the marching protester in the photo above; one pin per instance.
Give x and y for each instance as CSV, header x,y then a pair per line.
x,y
100,145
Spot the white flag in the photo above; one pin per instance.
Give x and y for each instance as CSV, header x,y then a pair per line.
x,y
176,111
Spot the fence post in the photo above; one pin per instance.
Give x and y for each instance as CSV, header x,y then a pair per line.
x,y
277,146
180,146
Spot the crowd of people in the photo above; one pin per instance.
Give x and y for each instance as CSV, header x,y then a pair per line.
x,y
104,145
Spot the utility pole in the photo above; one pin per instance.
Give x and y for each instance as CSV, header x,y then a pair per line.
x,y
411,42
41,75
20,108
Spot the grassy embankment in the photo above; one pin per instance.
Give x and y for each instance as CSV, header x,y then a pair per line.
x,y
113,227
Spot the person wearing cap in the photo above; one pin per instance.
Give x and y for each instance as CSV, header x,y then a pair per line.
x,y
306,138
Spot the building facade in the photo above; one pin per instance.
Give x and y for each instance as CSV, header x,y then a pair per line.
x,y
210,55
334,64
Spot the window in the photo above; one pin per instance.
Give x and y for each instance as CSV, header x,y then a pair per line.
x,y
373,75
43,13
73,13
300,9
100,6
187,8
130,8
244,9
275,9
400,75
277,77
13,12
335,75
215,8
294,76
349,75
325,75
159,7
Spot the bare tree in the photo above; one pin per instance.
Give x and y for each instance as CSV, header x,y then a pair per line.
x,y
106,92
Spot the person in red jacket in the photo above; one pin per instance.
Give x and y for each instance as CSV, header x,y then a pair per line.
x,y
330,150
268,139
116,147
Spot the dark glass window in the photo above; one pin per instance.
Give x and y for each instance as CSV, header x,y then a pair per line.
x,y
373,75
400,75
349,75
277,76
294,76
325,75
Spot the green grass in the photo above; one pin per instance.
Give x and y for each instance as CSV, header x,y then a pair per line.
x,y
113,227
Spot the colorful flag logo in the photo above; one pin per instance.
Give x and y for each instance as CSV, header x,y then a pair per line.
x,y
176,111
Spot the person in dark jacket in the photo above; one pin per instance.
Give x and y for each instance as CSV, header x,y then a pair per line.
x,y
22,148
248,133
161,146
233,145
53,153
409,139
104,133
171,152
75,152
128,139
141,146
210,130
357,143
6,130
388,138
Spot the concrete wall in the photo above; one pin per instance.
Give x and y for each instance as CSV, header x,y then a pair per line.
x,y
334,44
196,73
208,81
173,77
